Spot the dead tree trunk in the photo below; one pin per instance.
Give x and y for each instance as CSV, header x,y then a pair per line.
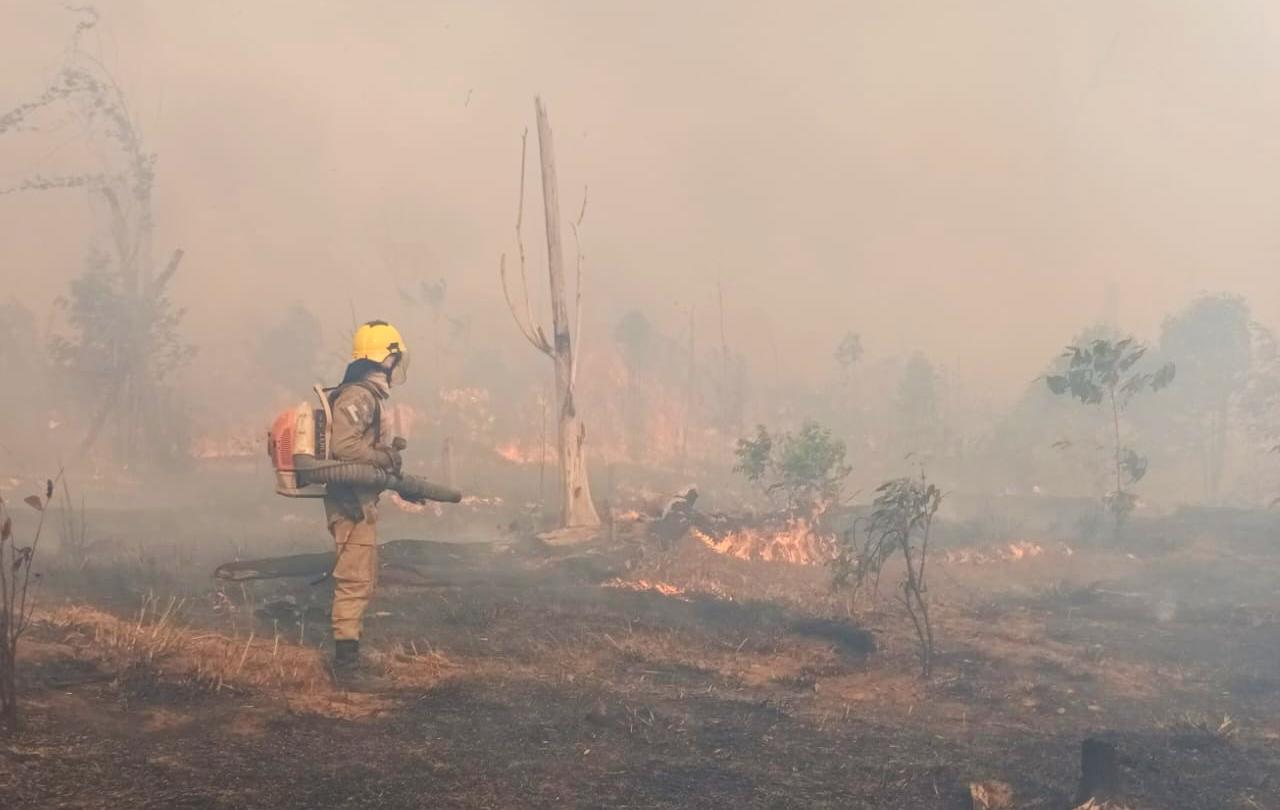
x,y
576,506
688,398
542,455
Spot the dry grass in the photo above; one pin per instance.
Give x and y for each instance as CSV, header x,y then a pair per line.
x,y
1196,729
156,653
157,645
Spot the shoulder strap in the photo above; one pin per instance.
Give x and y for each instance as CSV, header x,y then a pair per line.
x,y
334,393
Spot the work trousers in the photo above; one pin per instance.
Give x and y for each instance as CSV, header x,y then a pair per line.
x,y
355,571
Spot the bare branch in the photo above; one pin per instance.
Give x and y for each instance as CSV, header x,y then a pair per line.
x,y
583,211
544,344
157,286
531,332
524,149
106,406
14,119
39,182
119,227
577,314
527,325
90,20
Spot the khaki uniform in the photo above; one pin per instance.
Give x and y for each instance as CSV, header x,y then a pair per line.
x,y
352,512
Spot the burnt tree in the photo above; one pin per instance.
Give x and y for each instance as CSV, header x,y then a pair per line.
x,y
576,507
126,341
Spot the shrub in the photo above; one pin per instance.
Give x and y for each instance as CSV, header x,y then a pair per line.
x,y
806,469
17,601
900,522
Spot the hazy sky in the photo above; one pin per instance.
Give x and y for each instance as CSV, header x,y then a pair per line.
x,y
949,176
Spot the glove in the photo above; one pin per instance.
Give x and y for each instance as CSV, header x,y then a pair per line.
x,y
397,446
391,460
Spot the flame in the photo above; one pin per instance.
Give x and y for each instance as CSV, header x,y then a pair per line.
x,y
664,588
1019,550
645,415
636,415
417,508
518,453
798,542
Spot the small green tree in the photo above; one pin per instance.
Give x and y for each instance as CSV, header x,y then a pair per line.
x,y
1103,372
901,520
806,469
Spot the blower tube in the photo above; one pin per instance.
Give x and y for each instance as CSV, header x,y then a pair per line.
x,y
409,487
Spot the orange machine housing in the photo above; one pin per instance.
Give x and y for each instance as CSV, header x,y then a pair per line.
x,y
299,431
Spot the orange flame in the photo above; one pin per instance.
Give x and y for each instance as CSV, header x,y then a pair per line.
x,y
1020,550
664,588
798,543
518,453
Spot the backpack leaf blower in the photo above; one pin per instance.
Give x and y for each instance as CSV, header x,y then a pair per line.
x,y
298,446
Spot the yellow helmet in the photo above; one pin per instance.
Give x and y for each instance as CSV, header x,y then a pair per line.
x,y
380,342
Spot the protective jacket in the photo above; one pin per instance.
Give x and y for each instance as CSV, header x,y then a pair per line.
x,y
357,436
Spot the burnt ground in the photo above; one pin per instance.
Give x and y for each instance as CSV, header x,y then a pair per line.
x,y
676,678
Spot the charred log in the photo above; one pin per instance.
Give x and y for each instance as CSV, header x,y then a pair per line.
x,y
426,557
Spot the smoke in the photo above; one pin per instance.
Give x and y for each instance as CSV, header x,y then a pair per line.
x,y
976,183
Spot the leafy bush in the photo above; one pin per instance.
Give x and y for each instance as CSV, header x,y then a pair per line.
x,y
806,469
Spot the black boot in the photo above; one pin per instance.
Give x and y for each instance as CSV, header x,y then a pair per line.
x,y
346,655
350,673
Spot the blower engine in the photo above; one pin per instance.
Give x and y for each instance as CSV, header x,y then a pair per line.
x,y
298,446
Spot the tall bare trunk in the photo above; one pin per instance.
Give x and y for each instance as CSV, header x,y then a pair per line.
x,y
577,508
688,398
542,456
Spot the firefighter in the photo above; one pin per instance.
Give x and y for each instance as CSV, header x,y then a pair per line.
x,y
379,359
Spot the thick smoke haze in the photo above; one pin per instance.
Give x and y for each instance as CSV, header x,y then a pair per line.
x,y
915,444
977,181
